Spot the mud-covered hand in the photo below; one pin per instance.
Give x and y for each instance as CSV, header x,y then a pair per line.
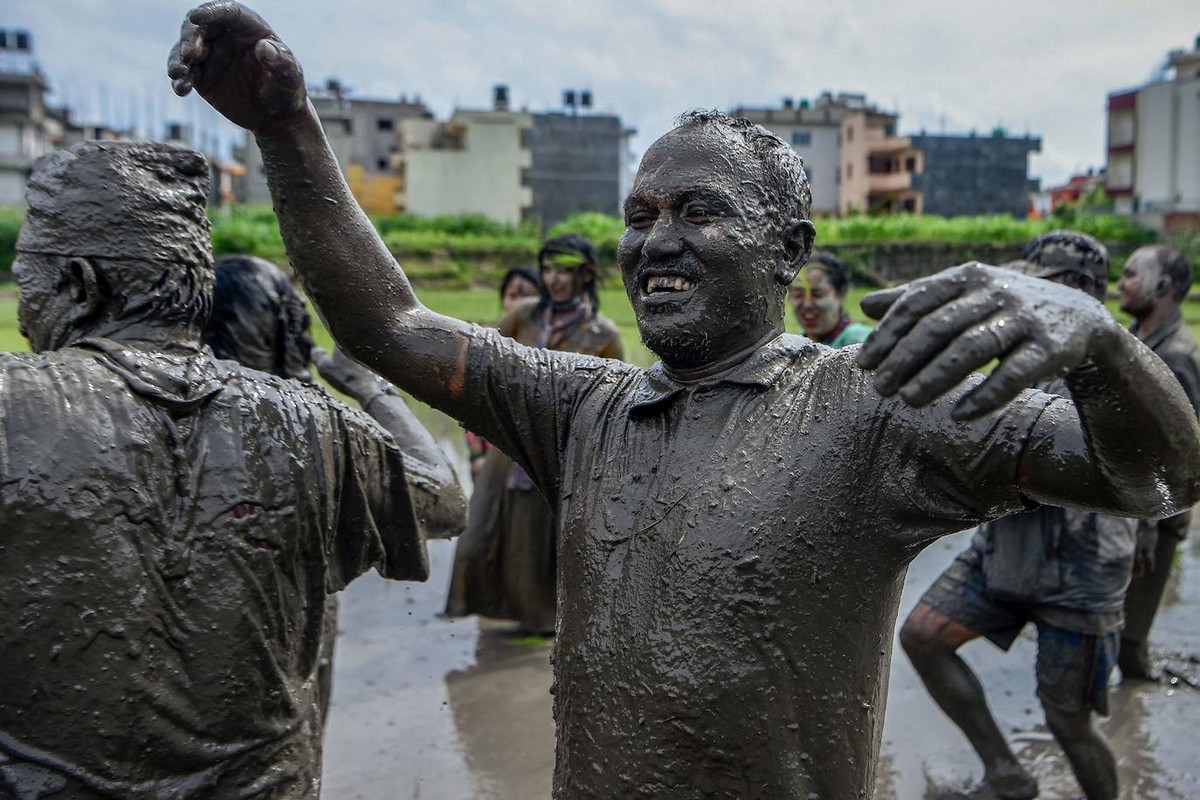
x,y
235,61
938,330
348,376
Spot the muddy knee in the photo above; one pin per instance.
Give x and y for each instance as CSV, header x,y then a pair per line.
x,y
1068,726
928,633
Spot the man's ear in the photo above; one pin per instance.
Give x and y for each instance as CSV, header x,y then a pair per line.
x,y
1162,287
85,288
797,247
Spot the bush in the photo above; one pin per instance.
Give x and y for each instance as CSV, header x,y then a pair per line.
x,y
459,250
10,225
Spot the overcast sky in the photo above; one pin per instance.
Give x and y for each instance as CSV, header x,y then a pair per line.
x,y
1039,67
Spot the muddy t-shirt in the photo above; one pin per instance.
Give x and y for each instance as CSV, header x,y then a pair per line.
x,y
731,555
1176,346
169,529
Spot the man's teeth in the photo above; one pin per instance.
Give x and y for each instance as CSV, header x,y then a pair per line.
x,y
669,283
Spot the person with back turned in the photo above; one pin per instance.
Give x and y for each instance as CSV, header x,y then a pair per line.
x,y
170,523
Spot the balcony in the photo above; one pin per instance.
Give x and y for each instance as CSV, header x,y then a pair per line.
x,y
889,181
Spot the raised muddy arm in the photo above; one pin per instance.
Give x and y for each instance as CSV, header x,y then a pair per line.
x,y
232,58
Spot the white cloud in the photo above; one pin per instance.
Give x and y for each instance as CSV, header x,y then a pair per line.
x,y
1041,67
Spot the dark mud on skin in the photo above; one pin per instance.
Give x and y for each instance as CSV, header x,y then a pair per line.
x,y
426,707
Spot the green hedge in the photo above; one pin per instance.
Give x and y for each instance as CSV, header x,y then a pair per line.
x,y
461,250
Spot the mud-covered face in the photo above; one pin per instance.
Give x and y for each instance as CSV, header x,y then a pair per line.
x,y
518,289
45,310
818,306
699,251
565,275
1139,283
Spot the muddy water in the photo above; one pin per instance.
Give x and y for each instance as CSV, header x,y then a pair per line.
x,y
426,707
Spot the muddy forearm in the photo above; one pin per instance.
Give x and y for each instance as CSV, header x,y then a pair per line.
x,y
1140,434
391,412
351,275
436,494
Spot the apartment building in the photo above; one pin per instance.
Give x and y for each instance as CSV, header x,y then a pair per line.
x,y
857,163
28,128
964,175
1153,166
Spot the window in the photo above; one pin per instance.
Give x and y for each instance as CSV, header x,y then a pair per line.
x,y
385,124
910,164
849,171
382,164
802,138
849,133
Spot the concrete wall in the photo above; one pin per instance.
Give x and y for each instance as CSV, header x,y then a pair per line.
x,y
975,174
896,262
1188,144
1154,154
12,188
484,177
575,166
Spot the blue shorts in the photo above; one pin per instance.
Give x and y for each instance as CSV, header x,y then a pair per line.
x,y
1072,667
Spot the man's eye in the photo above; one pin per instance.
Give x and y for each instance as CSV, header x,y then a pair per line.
x,y
639,220
697,213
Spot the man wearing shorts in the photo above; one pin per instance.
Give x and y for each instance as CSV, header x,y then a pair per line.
x,y
1065,570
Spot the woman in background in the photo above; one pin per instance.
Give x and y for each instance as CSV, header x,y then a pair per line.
x,y
506,562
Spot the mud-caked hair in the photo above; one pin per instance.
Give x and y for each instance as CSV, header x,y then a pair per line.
x,y
782,167
1085,252
1175,267
137,211
258,319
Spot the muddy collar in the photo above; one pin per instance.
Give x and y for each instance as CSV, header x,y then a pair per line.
x,y
761,369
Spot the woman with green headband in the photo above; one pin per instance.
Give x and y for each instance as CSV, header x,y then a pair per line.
x,y
505,563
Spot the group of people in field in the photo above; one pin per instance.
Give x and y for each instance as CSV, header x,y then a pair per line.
x,y
717,542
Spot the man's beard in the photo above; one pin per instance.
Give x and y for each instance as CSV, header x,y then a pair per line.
x,y
679,349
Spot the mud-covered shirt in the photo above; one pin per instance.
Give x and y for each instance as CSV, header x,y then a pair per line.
x,y
1176,346
1071,566
169,529
731,555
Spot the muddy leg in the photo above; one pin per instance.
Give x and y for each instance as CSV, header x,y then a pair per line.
x,y
1093,763
1141,606
931,640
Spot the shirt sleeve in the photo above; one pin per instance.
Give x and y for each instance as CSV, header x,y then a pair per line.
x,y
936,475
1185,369
375,523
522,399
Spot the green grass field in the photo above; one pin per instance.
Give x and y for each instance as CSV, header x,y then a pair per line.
x,y
472,305
476,305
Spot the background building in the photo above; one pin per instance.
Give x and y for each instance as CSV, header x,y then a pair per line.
x,y
856,162
28,129
472,164
965,175
508,165
1153,169
577,164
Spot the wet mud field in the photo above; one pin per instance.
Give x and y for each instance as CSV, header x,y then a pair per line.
x,y
427,707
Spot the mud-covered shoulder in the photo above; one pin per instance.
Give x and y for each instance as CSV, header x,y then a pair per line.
x,y
308,398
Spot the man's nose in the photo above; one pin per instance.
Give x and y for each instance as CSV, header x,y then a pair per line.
x,y
664,238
